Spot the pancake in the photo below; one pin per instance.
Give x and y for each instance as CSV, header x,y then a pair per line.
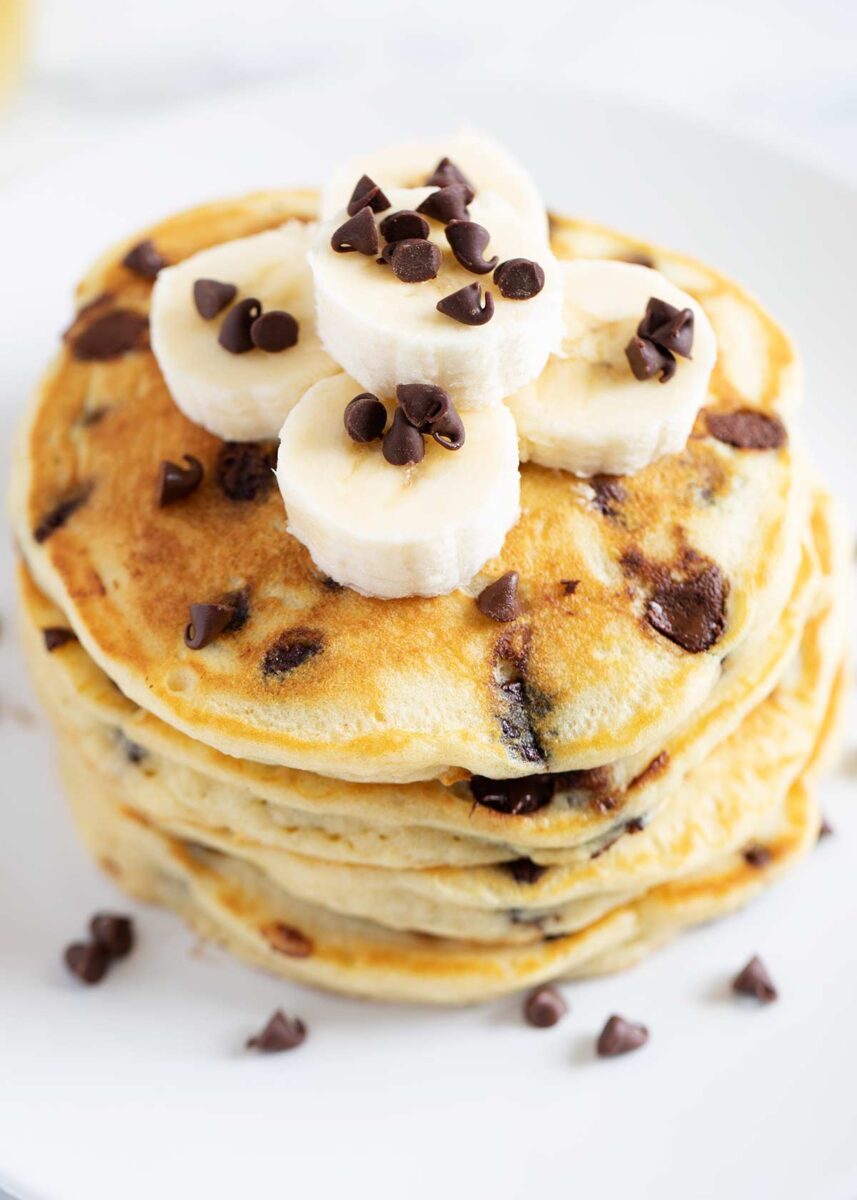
x,y
416,689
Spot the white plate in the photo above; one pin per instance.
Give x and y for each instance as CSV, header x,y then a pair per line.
x,y
140,1088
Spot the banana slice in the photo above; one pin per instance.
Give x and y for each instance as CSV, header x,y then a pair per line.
x,y
487,166
384,331
587,413
239,397
389,530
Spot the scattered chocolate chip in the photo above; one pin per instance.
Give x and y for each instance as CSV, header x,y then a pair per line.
x,y
669,328
245,470
448,431
211,297
755,981
826,829
646,359
747,429
281,1033
55,636
359,233
85,311
468,241
423,404
285,939
519,279
60,514
239,602
447,204
569,586
691,613
176,482
144,259
544,1007
291,649
446,174
274,331
513,797
465,305
635,825
524,870
757,856
400,226
113,933
87,960
234,333
413,260
207,622
367,193
403,444
619,1037
609,492
365,418
499,600
116,333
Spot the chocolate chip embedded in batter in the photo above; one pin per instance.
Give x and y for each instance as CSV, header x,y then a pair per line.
x,y
359,234
747,429
144,259
757,856
569,586
176,482
404,224
519,279
274,332
87,960
609,492
413,260
234,333
447,204
291,649
403,444
207,622
245,470
755,981
513,797
446,174
56,636
646,359
59,515
544,1007
691,613
465,305
468,242
499,600
619,1037
280,1033
365,418
367,193
116,333
211,297
524,870
113,933
285,939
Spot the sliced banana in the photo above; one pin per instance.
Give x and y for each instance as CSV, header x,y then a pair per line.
x,y
395,531
239,397
487,166
384,331
587,413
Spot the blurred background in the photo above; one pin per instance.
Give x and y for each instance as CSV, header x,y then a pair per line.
x,y
779,70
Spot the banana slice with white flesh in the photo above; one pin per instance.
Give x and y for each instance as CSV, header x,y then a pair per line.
x,y
589,412
483,163
208,342
422,528
382,322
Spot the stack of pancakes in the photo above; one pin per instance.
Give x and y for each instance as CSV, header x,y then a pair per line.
x,y
404,798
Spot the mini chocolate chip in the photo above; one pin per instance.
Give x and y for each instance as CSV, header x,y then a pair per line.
x,y
359,233
757,856
569,586
413,260
619,1037
234,333
404,224
274,331
423,404
747,429
691,613
292,649
524,870
87,960
646,359
365,418
245,470
755,981
285,939
207,622
61,512
499,600
519,279
118,332
448,431
113,933
668,327
447,204
367,194
446,174
56,636
544,1007
403,444
211,297
468,241
280,1033
465,305
176,482
144,259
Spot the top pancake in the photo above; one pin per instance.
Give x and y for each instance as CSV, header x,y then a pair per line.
x,y
409,689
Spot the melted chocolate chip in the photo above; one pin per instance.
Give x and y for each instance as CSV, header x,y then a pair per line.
x,y
519,279
757,856
646,359
359,234
56,636
517,725
403,444
755,981
144,259
291,649
423,404
544,1007
59,515
747,429
446,174
116,333
280,1033
619,1037
367,193
207,622
274,332
211,297
413,260
465,305
499,600
513,797
234,333
691,613
609,492
245,470
669,328
402,225
285,939
365,418
468,242
113,933
88,961
524,870
176,482
447,204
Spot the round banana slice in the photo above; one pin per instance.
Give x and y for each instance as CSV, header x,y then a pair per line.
x,y
587,412
238,396
384,330
395,531
487,166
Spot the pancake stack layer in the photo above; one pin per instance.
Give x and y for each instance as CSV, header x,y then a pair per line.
x,y
403,798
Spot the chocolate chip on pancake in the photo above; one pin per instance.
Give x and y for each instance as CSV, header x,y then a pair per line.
x,y
519,279
609,492
524,870
446,174
447,204
465,305
403,444
499,600
87,960
359,234
176,482
61,512
646,360
620,1037
245,470
468,242
85,312
423,404
404,224
144,259
211,297
757,855
513,797
754,980
110,336
544,1007
747,429
413,260
280,1033
132,750
113,933
291,649
517,724
365,418
668,327
274,332
569,586
691,612
285,939
207,622
56,636
367,193
234,333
